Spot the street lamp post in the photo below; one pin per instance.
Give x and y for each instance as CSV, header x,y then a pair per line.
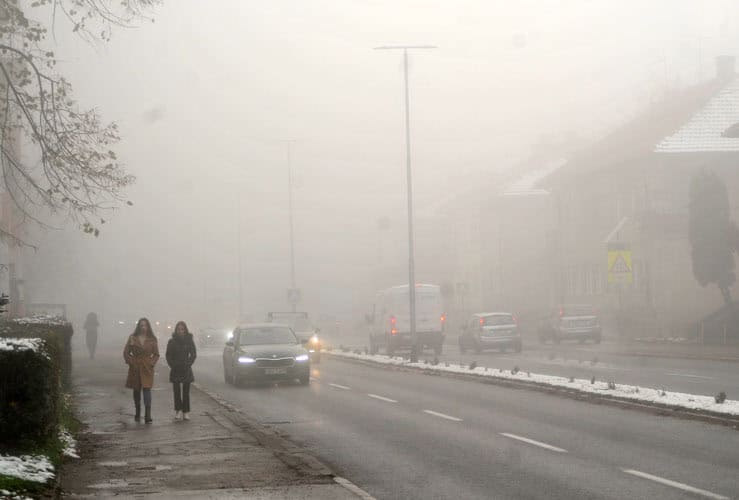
x,y
290,216
411,260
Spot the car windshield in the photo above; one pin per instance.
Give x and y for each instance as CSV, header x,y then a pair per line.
x,y
498,320
267,335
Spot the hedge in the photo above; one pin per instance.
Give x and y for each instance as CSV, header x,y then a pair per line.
x,y
35,365
30,392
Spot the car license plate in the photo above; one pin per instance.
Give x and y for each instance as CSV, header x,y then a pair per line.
x,y
275,371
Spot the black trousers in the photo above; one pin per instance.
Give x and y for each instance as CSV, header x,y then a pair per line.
x,y
181,396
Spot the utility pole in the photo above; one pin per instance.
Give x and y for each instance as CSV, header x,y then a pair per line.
x,y
240,258
411,259
293,302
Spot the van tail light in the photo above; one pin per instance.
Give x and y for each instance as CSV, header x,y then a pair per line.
x,y
443,318
394,331
482,321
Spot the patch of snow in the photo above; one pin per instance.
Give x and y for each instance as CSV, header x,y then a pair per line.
x,y
17,344
70,444
41,319
631,392
35,468
9,495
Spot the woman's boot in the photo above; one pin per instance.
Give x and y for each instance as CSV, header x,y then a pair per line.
x,y
137,417
147,415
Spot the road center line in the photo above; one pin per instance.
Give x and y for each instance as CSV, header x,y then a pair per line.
x,y
689,375
442,415
382,398
675,484
534,442
338,386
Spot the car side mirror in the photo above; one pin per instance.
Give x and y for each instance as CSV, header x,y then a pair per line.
x,y
230,343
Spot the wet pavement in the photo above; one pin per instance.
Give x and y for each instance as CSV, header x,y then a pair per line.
x,y
217,454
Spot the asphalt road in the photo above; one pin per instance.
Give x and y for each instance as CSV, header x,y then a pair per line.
x,y
406,435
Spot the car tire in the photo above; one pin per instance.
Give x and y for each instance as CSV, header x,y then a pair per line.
x,y
462,348
438,348
304,380
234,378
518,347
478,349
226,378
389,350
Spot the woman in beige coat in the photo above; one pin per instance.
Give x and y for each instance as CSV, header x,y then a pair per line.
x,y
141,353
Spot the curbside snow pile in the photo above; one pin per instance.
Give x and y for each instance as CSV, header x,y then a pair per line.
x,y
36,468
630,392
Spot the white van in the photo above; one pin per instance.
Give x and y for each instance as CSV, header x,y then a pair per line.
x,y
390,319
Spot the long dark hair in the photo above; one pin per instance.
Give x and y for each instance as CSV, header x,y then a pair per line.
x,y
183,324
137,331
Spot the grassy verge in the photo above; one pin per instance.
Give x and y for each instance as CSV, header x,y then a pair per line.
x,y
52,448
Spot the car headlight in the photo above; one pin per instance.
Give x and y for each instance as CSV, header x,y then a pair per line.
x,y
314,339
302,357
246,359
230,335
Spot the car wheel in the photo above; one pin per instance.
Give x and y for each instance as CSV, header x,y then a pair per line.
x,y
225,375
234,378
438,348
390,350
305,380
518,347
478,349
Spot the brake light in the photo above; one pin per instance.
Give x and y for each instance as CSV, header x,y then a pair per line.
x,y
561,312
393,320
394,331
515,319
482,321
443,318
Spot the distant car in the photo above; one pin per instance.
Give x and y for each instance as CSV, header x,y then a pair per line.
x,y
571,322
210,337
300,323
265,352
494,330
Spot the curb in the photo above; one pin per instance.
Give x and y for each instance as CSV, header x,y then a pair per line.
x,y
288,452
649,407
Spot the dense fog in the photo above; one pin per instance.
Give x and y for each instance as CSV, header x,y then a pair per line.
x,y
210,96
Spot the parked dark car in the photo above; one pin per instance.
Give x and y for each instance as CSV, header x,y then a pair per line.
x,y
578,322
265,352
496,330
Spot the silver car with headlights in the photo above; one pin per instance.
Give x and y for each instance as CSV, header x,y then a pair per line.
x,y
265,352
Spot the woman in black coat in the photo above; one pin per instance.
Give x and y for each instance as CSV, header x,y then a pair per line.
x,y
180,356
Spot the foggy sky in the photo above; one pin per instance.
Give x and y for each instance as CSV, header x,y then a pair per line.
x,y
206,95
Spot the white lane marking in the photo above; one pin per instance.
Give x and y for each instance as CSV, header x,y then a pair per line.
x,y
675,484
338,386
689,375
382,398
353,488
534,442
442,415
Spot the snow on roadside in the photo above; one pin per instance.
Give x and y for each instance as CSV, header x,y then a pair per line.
x,y
35,468
70,444
632,392
41,319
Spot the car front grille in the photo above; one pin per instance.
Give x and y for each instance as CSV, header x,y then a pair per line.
x,y
276,362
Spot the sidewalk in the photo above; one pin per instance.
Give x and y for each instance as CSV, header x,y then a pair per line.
x,y
220,453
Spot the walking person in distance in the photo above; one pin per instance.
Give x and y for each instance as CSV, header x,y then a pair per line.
x,y
141,353
181,354
91,333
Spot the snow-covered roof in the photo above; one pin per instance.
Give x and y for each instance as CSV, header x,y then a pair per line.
x,y
704,132
526,185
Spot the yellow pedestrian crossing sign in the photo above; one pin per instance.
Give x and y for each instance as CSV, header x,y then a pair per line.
x,y
620,269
